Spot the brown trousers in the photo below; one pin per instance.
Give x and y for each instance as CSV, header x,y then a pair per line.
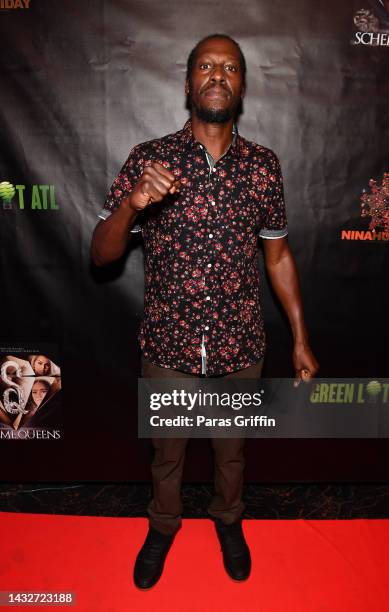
x,y
165,508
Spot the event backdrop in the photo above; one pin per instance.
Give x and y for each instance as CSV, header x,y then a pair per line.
x,y
81,83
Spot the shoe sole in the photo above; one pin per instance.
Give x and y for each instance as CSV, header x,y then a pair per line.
x,y
237,579
147,588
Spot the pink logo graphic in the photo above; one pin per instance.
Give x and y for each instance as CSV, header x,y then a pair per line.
x,y
376,204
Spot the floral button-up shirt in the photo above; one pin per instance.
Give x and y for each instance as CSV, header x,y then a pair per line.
x,y
202,312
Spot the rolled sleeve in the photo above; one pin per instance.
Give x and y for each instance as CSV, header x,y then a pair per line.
x,y
122,186
274,221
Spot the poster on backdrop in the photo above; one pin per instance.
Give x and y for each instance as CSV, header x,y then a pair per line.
x,y
30,399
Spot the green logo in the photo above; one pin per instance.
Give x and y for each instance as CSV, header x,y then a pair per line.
x,y
7,192
373,388
350,392
34,197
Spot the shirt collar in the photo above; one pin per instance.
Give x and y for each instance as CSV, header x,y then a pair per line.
x,y
189,141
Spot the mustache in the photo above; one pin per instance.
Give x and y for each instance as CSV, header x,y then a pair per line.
x,y
216,86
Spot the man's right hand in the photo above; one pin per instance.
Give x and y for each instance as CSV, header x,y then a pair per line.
x,y
111,237
154,184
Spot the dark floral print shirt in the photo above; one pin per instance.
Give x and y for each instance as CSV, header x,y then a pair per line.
x,y
202,312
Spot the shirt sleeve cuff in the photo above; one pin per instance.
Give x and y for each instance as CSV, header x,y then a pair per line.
x,y
272,234
104,214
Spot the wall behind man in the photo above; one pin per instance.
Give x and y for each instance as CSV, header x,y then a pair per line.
x,y
82,82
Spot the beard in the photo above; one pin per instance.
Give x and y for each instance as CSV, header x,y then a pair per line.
x,y
209,114
213,115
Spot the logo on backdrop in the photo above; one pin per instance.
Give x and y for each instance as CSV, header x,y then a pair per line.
x,y
349,393
14,4
34,197
374,205
371,24
29,385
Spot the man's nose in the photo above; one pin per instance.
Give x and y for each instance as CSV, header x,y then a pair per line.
x,y
218,75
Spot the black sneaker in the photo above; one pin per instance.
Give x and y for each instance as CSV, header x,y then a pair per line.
x,y
236,553
151,558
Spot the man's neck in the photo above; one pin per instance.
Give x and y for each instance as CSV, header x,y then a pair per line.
x,y
216,137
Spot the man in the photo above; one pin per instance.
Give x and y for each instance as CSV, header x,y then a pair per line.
x,y
201,197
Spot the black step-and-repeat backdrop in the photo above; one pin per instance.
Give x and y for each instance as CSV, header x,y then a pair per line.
x,y
81,83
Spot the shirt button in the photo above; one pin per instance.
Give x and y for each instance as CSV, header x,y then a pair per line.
x,y
213,203
210,235
213,169
208,297
206,328
209,265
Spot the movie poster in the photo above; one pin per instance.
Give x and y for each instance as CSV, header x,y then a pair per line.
x,y
30,393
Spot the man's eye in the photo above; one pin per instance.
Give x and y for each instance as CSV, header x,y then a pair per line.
x,y
231,68
204,66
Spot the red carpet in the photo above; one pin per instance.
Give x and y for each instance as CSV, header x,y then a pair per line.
x,y
298,566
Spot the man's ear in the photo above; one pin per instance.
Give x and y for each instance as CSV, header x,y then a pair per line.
x,y
186,87
242,94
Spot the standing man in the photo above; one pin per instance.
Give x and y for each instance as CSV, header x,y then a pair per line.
x,y
201,198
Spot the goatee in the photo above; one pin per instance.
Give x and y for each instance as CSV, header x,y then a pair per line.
x,y
213,115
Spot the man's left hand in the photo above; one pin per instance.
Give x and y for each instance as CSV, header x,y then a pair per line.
x,y
304,363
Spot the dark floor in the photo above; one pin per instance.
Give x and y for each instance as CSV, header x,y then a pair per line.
x,y
263,501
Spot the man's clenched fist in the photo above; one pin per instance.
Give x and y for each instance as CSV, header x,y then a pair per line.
x,y
154,184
